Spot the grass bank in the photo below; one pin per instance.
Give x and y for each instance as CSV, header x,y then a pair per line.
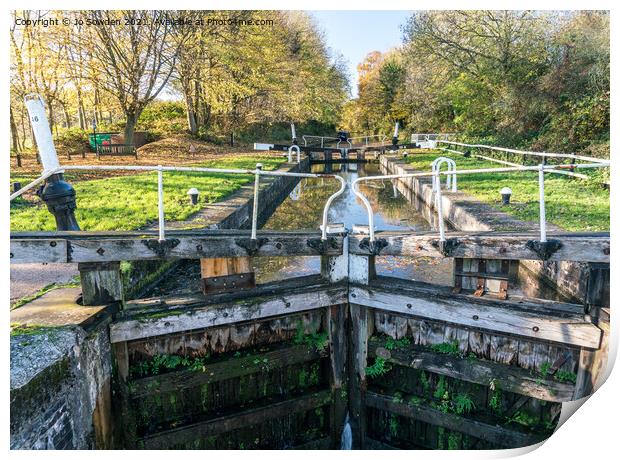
x,y
573,204
129,202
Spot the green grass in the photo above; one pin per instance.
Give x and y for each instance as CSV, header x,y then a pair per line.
x,y
573,204
130,202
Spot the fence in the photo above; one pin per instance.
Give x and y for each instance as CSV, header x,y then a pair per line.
x,y
381,138
160,192
525,154
541,168
322,139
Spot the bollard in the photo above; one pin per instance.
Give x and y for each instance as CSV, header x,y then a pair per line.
x,y
193,195
17,186
506,193
58,195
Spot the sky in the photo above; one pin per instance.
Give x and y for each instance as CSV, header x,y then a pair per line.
x,y
354,34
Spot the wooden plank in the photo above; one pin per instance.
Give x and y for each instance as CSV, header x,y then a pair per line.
x,y
222,424
170,320
317,444
101,283
361,268
485,314
490,433
122,360
510,378
337,328
336,268
216,372
373,444
48,250
487,246
226,274
106,248
592,363
358,359
517,302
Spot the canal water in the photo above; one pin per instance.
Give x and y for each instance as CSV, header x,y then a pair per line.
x,y
304,209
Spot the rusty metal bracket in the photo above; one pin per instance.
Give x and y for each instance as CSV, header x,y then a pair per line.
x,y
251,246
446,247
161,248
321,246
544,249
227,283
374,247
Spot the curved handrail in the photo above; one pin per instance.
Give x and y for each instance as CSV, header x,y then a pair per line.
x,y
290,153
338,144
450,179
343,186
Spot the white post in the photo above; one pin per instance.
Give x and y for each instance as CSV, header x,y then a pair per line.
x,y
160,203
293,131
396,130
255,203
42,132
541,200
454,177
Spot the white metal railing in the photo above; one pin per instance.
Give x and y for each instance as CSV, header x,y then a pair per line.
x,y
509,163
544,155
382,138
425,138
258,172
541,169
307,137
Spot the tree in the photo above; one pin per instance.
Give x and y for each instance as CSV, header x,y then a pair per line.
x,y
134,60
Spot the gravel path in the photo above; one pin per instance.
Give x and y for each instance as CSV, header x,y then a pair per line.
x,y
26,279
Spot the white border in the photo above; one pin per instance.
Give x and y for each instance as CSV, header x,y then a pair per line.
x,y
591,434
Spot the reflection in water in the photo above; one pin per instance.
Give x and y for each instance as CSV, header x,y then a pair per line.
x,y
304,210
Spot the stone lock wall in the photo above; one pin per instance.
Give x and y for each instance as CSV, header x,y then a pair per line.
x,y
60,384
